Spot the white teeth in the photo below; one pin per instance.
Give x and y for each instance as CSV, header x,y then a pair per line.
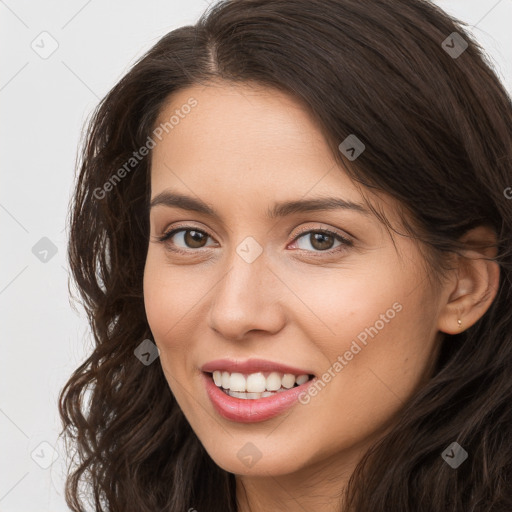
x,y
245,396
237,382
257,383
236,394
288,380
301,379
217,378
274,381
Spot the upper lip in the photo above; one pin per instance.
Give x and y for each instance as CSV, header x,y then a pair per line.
x,y
252,366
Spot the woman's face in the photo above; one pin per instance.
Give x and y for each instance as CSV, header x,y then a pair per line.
x,y
360,315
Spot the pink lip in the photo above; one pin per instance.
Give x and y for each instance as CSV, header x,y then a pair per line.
x,y
251,366
252,410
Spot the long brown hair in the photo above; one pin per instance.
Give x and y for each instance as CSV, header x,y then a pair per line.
x,y
437,129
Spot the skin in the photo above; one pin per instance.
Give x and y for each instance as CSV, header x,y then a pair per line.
x,y
241,149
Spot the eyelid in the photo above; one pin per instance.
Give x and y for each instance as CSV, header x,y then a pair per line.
x,y
335,232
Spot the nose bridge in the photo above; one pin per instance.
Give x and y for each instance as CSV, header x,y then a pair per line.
x,y
242,298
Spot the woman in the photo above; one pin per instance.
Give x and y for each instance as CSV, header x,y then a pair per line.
x,y
292,235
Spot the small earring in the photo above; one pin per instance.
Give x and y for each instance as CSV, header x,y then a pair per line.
x,y
459,321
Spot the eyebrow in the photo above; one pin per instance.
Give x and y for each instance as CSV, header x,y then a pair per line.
x,y
282,209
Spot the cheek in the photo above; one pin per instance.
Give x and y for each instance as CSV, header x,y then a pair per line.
x,y
375,332
168,295
155,297
373,364
166,309
164,302
344,306
173,298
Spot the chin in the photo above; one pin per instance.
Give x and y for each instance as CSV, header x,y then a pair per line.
x,y
247,459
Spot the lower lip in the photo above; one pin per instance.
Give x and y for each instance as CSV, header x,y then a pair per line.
x,y
252,410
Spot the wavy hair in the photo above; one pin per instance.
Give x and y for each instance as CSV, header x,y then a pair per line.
x,y
437,129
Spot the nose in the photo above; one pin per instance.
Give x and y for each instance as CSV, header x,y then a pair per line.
x,y
246,299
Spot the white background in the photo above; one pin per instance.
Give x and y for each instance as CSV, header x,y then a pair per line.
x,y
44,104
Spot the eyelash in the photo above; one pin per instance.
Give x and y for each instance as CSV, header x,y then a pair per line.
x,y
345,242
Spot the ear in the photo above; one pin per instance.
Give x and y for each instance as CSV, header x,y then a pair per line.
x,y
474,284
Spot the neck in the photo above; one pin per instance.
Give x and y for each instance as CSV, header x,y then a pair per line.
x,y
319,487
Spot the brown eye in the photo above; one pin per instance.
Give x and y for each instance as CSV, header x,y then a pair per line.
x,y
181,239
321,240
194,239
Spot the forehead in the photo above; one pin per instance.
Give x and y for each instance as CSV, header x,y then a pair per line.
x,y
250,139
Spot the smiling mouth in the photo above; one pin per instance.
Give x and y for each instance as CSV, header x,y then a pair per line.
x,y
256,385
